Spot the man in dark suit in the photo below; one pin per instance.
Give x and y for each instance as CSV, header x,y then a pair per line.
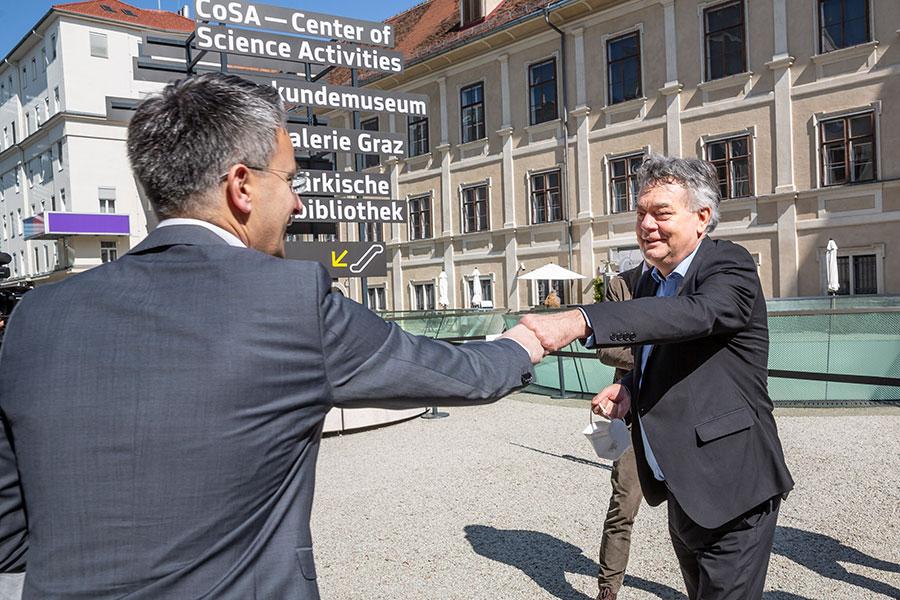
x,y
704,435
162,413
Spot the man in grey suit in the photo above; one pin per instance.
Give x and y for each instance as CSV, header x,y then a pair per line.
x,y
162,413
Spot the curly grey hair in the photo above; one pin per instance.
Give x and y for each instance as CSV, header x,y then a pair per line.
x,y
697,176
182,140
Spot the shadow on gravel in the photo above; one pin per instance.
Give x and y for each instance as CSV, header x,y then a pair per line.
x,y
659,590
823,554
582,461
546,560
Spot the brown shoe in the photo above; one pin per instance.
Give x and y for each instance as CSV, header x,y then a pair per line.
x,y
606,594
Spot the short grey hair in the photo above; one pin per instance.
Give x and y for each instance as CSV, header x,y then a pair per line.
x,y
182,140
697,176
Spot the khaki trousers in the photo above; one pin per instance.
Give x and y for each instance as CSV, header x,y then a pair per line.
x,y
623,506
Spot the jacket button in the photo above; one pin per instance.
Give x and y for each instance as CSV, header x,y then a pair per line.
x,y
526,378
631,337
612,337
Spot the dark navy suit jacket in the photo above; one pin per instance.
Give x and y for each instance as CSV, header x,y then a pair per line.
x,y
703,399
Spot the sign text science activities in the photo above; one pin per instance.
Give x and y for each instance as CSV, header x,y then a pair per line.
x,y
342,259
286,47
345,183
287,20
328,139
330,210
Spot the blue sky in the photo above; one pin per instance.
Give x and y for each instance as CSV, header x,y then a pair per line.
x,y
19,16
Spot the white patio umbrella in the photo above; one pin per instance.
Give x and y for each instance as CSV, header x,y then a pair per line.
x,y
442,290
551,271
831,267
476,288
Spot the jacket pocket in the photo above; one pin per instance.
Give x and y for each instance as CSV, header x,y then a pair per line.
x,y
730,422
307,564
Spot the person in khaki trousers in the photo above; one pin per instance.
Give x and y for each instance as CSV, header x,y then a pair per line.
x,y
626,488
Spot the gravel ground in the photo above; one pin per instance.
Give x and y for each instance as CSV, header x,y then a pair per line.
x,y
507,501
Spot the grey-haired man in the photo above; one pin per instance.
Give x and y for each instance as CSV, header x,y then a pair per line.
x,y
703,432
163,411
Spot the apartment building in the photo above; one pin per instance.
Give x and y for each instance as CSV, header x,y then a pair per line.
x,y
68,200
541,111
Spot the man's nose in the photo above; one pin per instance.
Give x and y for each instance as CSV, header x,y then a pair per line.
x,y
647,223
298,204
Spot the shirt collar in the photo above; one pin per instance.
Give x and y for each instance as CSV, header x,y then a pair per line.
x,y
229,237
679,271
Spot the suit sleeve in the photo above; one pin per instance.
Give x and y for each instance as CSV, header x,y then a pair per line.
x,y
722,302
370,362
620,357
13,525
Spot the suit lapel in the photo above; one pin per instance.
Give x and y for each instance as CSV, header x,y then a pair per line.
x,y
646,287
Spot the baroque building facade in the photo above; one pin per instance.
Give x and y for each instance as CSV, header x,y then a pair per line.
x,y
540,112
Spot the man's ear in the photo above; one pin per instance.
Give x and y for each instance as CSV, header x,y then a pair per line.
x,y
237,188
704,215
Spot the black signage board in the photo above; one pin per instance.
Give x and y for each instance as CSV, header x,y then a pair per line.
x,y
339,97
351,210
286,47
359,141
345,183
342,259
287,20
305,227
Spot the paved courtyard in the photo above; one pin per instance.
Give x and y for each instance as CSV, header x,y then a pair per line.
x,y
507,501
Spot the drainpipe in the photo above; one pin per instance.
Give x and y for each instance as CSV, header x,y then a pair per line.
x,y
565,116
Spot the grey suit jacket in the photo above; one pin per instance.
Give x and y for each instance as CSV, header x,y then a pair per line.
x,y
163,414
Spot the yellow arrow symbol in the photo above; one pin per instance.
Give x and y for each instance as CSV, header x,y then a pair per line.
x,y
336,261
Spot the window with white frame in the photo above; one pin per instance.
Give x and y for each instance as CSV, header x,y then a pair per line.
x,y
731,158
373,232
19,223
107,196
542,92
99,47
33,69
43,59
370,160
546,199
723,35
109,251
472,10
857,274
486,286
418,136
37,259
545,286
623,183
848,149
423,296
471,107
376,298
475,208
623,67
52,47
60,157
420,217
843,23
